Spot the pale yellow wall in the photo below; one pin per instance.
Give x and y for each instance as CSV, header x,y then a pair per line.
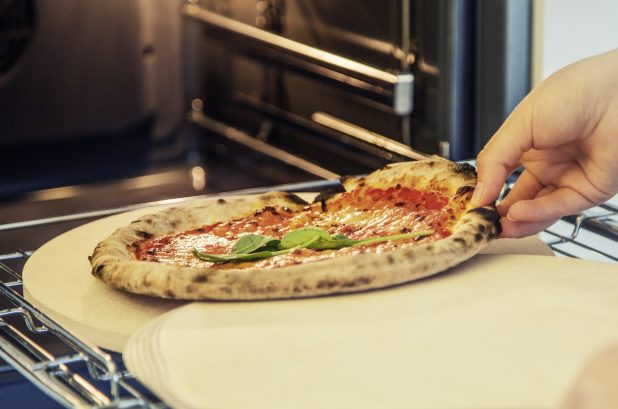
x,y
567,30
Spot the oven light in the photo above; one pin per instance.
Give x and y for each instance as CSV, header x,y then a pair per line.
x,y
198,178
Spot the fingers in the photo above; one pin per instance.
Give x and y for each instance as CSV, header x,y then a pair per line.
x,y
523,229
531,207
526,187
502,154
595,387
558,203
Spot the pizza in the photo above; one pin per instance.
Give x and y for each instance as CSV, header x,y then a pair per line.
x,y
400,223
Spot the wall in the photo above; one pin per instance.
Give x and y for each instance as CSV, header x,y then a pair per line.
x,y
565,31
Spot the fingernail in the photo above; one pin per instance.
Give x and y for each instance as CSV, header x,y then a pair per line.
x,y
476,196
509,217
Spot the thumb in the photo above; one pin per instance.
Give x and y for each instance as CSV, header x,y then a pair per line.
x,y
501,155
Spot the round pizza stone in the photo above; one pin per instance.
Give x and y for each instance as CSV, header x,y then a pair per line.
x,y
57,280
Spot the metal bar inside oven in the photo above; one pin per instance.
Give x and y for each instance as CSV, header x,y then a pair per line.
x,y
394,88
236,135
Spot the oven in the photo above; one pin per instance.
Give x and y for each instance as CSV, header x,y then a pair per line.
x,y
343,88
112,106
316,88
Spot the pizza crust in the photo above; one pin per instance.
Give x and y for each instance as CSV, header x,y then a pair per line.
x,y
114,263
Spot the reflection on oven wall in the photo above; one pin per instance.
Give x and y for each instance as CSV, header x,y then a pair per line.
x,y
89,90
72,69
112,68
466,79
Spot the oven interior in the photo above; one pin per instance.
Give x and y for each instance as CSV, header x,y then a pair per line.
x,y
277,91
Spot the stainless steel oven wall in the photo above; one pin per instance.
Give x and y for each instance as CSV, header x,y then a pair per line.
x,y
93,67
472,67
502,62
244,84
436,41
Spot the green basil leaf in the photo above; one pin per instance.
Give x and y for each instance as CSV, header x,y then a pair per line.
x,y
231,258
256,247
338,236
414,234
332,244
304,236
215,258
250,256
251,243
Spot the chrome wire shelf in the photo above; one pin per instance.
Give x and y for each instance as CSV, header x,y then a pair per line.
x,y
85,376
591,235
104,384
82,375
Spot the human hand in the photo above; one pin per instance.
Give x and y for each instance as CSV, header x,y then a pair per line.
x,y
565,135
596,387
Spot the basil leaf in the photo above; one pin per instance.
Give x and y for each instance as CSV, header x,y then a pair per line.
x,y
251,243
372,240
215,258
332,244
230,258
251,256
255,247
303,237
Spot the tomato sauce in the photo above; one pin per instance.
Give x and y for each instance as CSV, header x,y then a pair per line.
x,y
359,214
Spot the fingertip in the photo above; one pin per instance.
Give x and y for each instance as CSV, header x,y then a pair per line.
x,y
491,175
524,210
478,195
502,208
518,229
509,229
488,188
485,193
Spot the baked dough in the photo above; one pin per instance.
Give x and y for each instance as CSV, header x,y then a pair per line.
x,y
113,259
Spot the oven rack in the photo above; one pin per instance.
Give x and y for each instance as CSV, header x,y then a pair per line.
x,y
86,376
565,240
83,375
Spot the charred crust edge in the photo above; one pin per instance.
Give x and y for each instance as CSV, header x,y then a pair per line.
x,y
144,234
98,271
334,283
295,198
465,169
324,195
200,278
463,190
489,214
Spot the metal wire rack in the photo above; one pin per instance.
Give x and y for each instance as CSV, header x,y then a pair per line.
x,y
78,374
59,376
591,235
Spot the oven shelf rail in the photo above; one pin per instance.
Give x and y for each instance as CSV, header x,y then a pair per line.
x,y
105,384
54,374
394,90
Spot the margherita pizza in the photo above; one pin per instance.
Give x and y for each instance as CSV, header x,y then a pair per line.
x,y
400,223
